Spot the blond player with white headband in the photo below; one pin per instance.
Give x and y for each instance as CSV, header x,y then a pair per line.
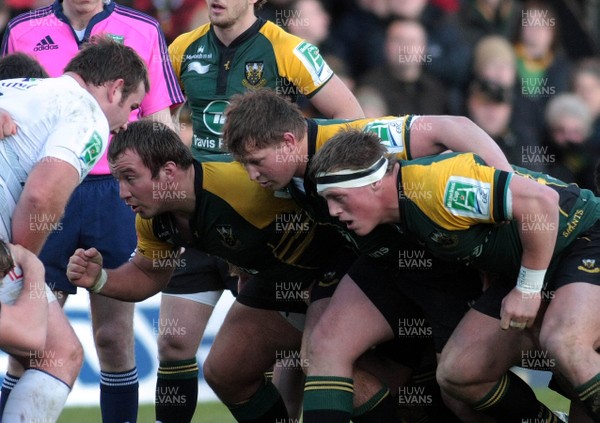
x,y
525,227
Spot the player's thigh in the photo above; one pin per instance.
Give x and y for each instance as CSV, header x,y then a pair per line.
x,y
110,315
182,322
349,325
251,336
479,351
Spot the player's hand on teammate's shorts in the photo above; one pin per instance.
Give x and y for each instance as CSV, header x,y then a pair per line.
x,y
519,309
8,126
84,267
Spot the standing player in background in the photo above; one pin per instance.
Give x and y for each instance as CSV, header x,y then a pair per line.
x,y
96,215
234,53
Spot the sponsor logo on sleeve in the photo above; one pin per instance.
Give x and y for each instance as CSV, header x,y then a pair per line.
x,y
92,151
313,61
467,197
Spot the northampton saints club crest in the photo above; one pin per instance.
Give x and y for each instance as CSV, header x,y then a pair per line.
x,y
228,239
254,75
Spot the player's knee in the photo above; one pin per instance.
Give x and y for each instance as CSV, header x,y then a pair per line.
x,y
172,348
113,337
451,373
323,344
563,341
214,373
73,353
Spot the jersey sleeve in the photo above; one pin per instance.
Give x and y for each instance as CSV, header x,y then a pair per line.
x,y
164,87
458,192
298,61
79,142
148,245
394,133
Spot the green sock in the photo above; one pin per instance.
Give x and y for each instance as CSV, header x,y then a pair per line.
x,y
265,406
513,401
327,399
589,394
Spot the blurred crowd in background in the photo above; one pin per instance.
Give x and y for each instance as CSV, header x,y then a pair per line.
x,y
527,72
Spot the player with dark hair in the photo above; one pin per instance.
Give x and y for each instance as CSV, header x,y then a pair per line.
x,y
95,215
21,65
214,208
234,53
523,226
45,158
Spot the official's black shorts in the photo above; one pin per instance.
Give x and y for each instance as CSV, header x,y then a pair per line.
x,y
295,296
200,272
440,292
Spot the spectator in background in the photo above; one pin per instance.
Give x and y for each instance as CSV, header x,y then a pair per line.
x,y
174,16
402,81
450,54
308,19
586,84
358,35
490,102
478,18
542,69
568,126
489,105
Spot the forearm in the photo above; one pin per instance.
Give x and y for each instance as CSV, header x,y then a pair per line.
x,y
537,217
130,283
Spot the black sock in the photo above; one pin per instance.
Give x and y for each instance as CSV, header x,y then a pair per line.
x,y
176,393
589,395
265,406
381,408
513,401
327,399
431,405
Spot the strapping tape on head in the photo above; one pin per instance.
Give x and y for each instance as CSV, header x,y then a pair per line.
x,y
352,178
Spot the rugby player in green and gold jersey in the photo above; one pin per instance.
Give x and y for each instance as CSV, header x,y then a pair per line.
x,y
525,226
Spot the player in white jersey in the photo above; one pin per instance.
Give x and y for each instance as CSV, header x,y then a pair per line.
x,y
63,126
23,325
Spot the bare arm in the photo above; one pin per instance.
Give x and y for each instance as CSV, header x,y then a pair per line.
x,y
336,101
537,203
42,203
436,134
133,281
23,325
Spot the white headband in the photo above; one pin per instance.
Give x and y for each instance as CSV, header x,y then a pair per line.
x,y
352,178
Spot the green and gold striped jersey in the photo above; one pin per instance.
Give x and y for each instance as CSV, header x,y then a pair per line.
x,y
460,209
247,225
263,56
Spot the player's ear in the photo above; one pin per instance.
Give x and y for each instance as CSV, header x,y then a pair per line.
x,y
169,169
115,90
290,140
377,185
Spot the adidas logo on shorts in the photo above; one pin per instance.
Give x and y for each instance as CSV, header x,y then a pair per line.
x,y
46,43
